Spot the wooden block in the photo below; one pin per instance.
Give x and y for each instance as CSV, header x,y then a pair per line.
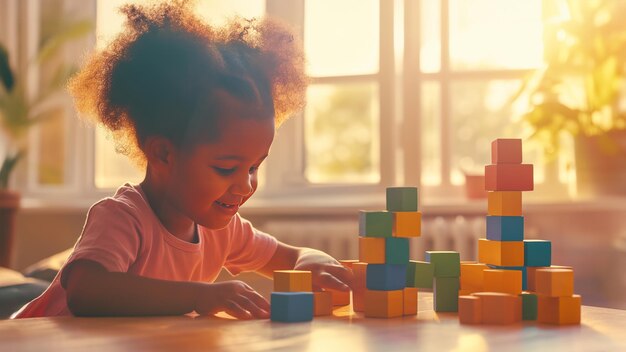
x,y
383,304
529,306
509,177
470,310
372,250
291,306
419,274
505,228
501,253
402,199
386,277
472,276
554,282
358,300
339,298
292,281
505,281
446,294
447,263
523,269
375,223
409,296
530,273
347,263
407,224
360,279
499,308
506,151
504,203
322,303
396,250
558,310
537,253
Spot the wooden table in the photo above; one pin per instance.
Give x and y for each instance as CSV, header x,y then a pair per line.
x,y
601,330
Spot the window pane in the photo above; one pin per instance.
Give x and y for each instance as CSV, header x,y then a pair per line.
x,y
495,34
342,134
341,37
430,36
481,113
52,162
431,134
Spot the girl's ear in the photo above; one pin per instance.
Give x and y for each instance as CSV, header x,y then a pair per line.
x,y
159,151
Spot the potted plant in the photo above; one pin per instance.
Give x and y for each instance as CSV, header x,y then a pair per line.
x,y
20,110
579,89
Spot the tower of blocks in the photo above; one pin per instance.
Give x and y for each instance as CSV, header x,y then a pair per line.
x,y
514,278
292,299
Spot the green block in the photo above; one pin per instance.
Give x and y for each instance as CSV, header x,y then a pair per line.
x,y
375,223
529,306
396,250
446,294
401,198
447,263
419,274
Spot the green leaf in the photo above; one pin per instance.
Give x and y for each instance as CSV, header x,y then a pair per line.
x,y
6,75
66,33
7,167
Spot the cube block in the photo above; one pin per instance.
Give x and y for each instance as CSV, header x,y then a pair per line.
x,y
322,303
339,298
446,294
537,253
386,277
470,310
501,253
506,151
554,282
360,281
446,263
419,274
407,224
409,295
529,306
402,199
523,269
558,310
505,228
388,250
383,304
505,281
509,177
531,275
292,281
291,306
500,308
375,223
504,203
472,276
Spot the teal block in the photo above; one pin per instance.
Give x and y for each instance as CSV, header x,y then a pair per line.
x,y
385,277
529,306
537,253
291,306
402,199
396,250
419,274
505,228
446,294
375,223
447,263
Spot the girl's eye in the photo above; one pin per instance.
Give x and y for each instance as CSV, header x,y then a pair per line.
x,y
223,171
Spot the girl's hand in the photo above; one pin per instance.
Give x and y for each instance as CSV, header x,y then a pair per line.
x,y
233,297
326,271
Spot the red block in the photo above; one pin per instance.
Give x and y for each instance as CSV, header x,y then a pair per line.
x,y
509,177
506,151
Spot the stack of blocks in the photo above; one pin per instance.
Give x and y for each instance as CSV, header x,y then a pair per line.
x,y
381,274
293,299
514,279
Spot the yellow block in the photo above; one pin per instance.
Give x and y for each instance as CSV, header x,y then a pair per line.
x,y
472,276
292,281
554,282
501,253
409,295
558,310
504,203
407,224
372,250
383,304
322,303
505,281
340,298
530,275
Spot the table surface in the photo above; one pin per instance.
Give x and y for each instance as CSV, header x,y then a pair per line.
x,y
602,329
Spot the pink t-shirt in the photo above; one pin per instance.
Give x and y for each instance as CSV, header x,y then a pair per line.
x,y
123,234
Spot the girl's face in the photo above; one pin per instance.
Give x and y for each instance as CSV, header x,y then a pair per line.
x,y
209,183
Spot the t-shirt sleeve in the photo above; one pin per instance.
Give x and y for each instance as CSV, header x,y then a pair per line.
x,y
110,237
250,248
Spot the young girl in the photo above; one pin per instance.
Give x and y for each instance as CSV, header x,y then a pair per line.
x,y
198,107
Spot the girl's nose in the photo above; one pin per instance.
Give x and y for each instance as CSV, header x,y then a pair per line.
x,y
243,185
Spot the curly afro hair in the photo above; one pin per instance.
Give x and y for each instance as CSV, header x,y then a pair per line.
x,y
159,76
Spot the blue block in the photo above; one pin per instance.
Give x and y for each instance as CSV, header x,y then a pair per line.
x,y
520,268
291,306
505,228
385,277
537,253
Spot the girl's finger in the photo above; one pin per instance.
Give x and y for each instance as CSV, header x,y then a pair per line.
x,y
326,280
235,310
255,311
258,300
344,275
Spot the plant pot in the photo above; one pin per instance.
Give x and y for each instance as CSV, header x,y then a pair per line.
x,y
601,164
9,204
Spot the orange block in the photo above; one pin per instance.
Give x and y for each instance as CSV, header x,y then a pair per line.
x,y
383,304
407,224
499,308
347,263
470,310
358,295
504,203
554,282
372,250
530,275
339,298
506,151
409,295
509,177
292,281
501,253
472,276
505,281
322,303
558,310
